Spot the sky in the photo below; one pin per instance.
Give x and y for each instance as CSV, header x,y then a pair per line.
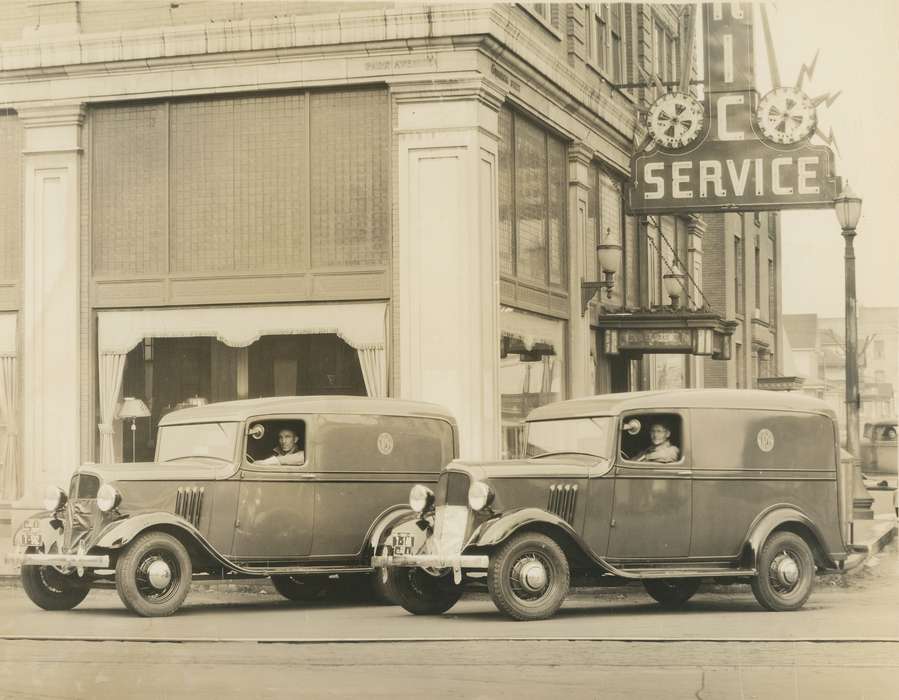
x,y
859,55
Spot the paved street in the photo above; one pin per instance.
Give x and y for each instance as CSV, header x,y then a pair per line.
x,y
612,643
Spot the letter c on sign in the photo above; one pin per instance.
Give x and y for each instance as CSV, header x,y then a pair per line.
x,y
649,175
776,186
724,102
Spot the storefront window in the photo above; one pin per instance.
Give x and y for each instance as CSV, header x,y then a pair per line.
x,y
172,373
532,371
669,371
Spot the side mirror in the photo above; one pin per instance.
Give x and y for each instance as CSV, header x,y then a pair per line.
x,y
632,427
256,431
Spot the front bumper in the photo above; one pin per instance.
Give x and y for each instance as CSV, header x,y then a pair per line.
x,y
77,561
433,561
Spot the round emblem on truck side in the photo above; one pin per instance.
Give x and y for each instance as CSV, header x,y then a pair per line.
x,y
385,443
765,440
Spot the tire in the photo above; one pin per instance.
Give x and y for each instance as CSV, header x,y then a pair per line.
x,y
508,578
786,573
671,593
50,589
420,593
158,592
380,589
301,589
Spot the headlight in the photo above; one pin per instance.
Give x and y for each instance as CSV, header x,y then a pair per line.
x,y
55,498
480,495
107,498
420,497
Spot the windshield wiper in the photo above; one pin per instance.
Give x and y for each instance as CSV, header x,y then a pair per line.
x,y
565,452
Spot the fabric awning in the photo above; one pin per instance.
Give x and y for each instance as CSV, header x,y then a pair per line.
x,y
531,329
361,326
8,335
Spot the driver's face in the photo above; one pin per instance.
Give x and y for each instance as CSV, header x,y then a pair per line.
x,y
659,434
287,439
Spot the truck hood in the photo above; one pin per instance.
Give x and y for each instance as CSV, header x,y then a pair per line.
x,y
182,470
568,465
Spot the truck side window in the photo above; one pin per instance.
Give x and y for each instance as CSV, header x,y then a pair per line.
x,y
277,443
658,441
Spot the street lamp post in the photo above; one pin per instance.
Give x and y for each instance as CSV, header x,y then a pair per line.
x,y
848,208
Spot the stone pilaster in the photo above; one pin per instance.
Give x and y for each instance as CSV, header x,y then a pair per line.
x,y
50,296
582,266
446,137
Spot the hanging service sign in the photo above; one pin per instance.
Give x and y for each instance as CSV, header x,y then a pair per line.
x,y
732,151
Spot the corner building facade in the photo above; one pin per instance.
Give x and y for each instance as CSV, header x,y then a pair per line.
x,y
209,201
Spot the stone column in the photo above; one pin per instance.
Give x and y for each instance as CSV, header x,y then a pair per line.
x,y
583,267
696,228
50,296
448,251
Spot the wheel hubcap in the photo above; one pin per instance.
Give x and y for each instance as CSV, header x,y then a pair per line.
x,y
533,576
159,574
785,572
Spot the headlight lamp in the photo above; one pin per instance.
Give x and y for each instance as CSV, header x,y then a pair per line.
x,y
107,498
55,498
420,498
480,495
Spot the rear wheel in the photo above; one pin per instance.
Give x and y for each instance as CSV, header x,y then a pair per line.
x,y
528,577
301,589
786,573
153,575
671,593
51,589
420,593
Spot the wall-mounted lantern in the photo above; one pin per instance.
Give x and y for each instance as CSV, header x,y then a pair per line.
x,y
609,254
674,285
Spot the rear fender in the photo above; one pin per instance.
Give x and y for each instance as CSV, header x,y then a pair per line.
x,y
783,517
386,522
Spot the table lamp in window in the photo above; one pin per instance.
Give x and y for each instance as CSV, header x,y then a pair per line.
x,y
133,408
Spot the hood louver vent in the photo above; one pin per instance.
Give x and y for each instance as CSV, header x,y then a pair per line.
x,y
189,503
562,501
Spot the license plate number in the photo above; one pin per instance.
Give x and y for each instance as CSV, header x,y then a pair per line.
x,y
30,539
404,544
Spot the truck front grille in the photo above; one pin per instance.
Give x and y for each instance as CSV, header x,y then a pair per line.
x,y
189,503
452,489
562,500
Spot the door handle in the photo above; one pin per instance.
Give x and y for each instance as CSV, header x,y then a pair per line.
x,y
684,472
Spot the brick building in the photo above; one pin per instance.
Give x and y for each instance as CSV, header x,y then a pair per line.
x,y
210,200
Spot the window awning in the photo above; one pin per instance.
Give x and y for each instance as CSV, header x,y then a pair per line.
x,y
8,335
361,325
531,329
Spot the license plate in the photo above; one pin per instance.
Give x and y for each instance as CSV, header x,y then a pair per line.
x,y
30,539
404,544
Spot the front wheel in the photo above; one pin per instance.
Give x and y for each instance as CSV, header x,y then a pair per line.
x,y
153,575
671,593
786,572
50,589
528,577
420,593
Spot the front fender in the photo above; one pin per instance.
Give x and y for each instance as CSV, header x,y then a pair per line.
x,y
121,532
387,521
772,519
498,529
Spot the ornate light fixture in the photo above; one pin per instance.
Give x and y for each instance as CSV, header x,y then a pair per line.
x,y
674,285
133,408
609,254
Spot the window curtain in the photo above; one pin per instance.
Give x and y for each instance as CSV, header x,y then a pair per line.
x,y
363,326
112,370
10,471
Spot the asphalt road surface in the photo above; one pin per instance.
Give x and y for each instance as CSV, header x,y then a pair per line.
x,y
615,643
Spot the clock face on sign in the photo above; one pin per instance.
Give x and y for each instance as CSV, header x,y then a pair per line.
x,y
675,120
786,115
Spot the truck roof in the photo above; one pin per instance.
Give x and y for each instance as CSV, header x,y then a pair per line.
x,y
244,409
614,404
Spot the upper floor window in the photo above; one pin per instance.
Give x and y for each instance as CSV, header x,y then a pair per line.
x,y
549,14
605,48
739,274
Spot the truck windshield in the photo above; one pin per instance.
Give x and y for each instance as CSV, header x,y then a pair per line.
x,y
197,441
573,435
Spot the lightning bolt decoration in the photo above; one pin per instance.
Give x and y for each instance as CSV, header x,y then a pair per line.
x,y
829,139
806,70
827,98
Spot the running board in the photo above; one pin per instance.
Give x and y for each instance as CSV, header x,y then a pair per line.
x,y
296,570
696,572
